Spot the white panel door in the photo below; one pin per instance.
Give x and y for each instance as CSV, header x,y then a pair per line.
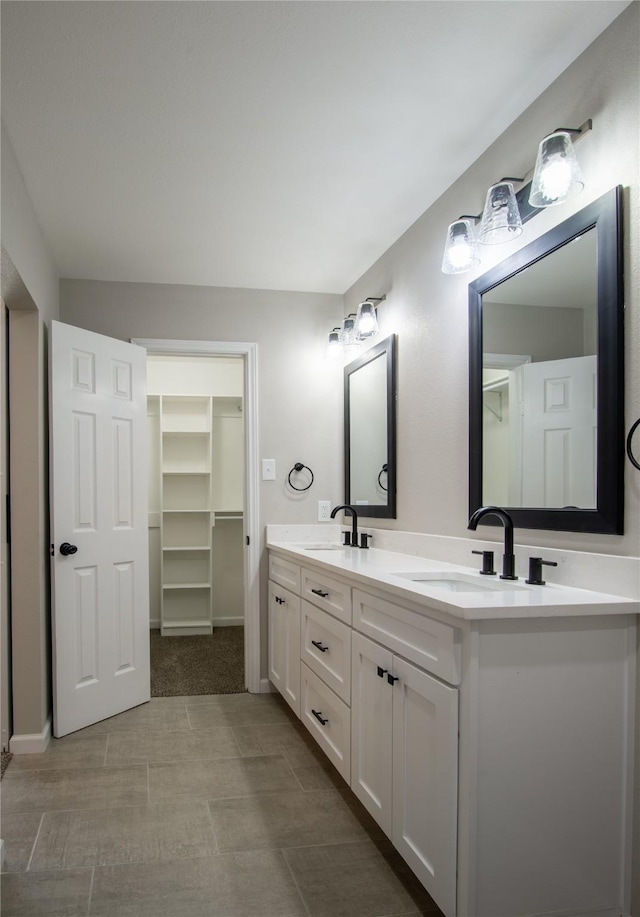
x,y
425,779
371,728
559,433
100,591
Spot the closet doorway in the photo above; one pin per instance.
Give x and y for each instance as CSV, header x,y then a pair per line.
x,y
204,624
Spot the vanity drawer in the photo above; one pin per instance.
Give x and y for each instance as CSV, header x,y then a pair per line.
x,y
330,725
325,646
327,593
285,573
430,644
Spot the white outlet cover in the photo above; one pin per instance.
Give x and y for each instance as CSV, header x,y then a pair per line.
x,y
268,469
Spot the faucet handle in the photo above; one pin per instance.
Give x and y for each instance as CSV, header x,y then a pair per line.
x,y
535,570
364,539
346,538
487,563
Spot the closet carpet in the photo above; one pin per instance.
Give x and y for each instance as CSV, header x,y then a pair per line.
x,y
198,665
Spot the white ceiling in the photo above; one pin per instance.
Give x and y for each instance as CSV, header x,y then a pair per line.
x,y
276,145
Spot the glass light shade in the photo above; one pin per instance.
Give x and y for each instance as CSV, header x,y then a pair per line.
x,y
348,331
334,347
501,218
557,175
366,321
460,250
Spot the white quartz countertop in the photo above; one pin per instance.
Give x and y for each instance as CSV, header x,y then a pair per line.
x,y
491,598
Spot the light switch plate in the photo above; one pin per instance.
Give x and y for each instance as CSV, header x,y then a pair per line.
x,y
268,469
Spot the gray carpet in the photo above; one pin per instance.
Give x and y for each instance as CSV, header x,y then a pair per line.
x,y
198,665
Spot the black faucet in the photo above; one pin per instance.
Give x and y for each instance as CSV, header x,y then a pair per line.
x,y
508,559
354,521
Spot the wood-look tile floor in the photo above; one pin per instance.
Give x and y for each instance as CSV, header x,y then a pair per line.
x,y
209,806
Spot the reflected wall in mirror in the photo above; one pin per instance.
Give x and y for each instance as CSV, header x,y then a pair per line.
x,y
546,378
369,431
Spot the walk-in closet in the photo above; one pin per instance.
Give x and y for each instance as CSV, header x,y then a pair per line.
x,y
196,463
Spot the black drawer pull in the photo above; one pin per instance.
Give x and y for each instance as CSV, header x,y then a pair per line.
x,y
323,649
381,671
279,600
318,716
392,679
319,592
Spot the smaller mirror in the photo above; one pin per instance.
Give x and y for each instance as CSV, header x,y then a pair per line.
x,y
370,431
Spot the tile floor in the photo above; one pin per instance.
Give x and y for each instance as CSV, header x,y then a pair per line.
x,y
211,806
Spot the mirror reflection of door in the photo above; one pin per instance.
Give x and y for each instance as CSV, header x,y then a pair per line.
x,y
539,410
368,432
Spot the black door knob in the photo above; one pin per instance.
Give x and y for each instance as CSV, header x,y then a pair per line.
x,y
66,548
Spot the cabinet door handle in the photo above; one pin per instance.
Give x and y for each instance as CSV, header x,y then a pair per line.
x,y
323,649
381,672
318,716
279,600
392,679
319,592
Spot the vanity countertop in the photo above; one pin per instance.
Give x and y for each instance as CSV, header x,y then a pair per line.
x,y
492,597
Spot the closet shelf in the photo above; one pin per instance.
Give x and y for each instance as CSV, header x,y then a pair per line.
x,y
187,547
186,585
202,474
203,512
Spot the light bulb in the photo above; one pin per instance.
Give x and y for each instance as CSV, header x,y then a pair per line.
x,y
461,251
557,175
366,321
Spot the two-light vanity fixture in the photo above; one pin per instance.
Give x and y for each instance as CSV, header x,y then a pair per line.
x,y
556,179
355,328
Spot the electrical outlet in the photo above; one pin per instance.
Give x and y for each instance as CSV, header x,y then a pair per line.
x,y
324,510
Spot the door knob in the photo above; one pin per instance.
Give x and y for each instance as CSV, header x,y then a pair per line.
x,y
66,548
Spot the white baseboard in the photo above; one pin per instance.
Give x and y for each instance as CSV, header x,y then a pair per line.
x,y
154,624
32,743
266,687
237,621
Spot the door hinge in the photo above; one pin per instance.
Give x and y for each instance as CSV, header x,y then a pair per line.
x,y
52,550
248,540
7,518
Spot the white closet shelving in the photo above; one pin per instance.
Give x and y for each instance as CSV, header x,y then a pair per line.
x,y
186,514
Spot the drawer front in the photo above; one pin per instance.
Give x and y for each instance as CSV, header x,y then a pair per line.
x,y
432,645
285,573
327,593
330,725
325,645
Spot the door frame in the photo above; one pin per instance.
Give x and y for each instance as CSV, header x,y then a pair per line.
x,y
251,514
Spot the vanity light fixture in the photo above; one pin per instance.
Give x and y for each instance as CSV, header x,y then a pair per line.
x,y
334,347
346,339
348,330
556,178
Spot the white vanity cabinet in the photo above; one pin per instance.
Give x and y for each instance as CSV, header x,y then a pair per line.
x,y
495,750
284,644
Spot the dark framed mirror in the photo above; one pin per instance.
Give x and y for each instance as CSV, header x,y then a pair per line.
x,y
370,431
546,378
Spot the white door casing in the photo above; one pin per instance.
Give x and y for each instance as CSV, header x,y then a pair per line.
x,y
100,594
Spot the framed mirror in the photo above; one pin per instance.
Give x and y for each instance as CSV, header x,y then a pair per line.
x,y
546,378
370,431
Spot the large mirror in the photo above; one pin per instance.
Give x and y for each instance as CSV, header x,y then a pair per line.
x,y
546,378
370,431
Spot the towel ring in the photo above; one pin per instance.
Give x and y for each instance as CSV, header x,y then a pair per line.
x,y
299,467
384,469
634,461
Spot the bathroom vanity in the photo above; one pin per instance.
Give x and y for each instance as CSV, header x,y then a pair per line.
x,y
487,726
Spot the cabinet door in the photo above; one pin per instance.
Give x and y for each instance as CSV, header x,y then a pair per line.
x,y
371,733
425,771
284,644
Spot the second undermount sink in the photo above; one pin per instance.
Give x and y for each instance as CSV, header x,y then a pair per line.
x,y
320,546
460,582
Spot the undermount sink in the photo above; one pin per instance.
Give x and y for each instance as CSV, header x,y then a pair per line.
x,y
459,582
321,546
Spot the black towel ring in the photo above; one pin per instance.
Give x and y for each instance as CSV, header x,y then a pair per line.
x,y
298,467
634,461
384,469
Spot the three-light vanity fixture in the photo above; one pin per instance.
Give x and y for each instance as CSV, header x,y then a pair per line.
x,y
355,328
556,179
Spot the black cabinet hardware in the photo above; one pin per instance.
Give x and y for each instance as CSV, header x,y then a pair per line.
x,y
66,549
364,539
318,716
392,679
319,592
487,563
381,672
347,538
323,649
535,570
279,600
